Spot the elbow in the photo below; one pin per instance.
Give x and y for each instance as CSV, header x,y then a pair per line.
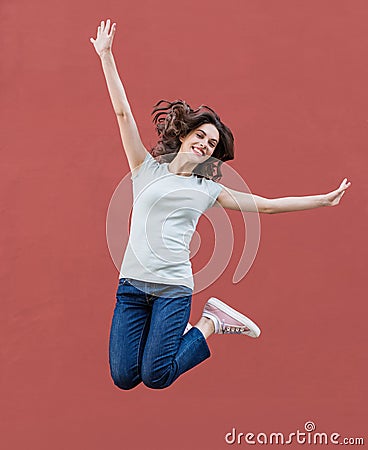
x,y
267,211
268,207
123,114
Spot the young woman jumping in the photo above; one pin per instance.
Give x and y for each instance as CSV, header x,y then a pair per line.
x,y
150,338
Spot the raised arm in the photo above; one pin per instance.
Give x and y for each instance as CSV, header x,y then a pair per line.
x,y
133,146
241,201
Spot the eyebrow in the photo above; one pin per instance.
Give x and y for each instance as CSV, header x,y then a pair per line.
x,y
206,135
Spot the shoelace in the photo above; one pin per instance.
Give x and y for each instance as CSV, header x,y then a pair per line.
x,y
227,329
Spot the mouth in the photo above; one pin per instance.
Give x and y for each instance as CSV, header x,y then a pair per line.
x,y
198,151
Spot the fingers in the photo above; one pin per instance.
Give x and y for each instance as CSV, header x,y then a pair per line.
x,y
113,29
102,28
344,184
105,28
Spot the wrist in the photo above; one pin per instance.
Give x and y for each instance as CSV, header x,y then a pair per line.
x,y
323,200
105,53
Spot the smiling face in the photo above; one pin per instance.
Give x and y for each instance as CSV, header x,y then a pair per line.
x,y
200,143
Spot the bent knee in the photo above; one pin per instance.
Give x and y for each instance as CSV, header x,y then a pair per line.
x,y
152,384
123,382
156,380
125,386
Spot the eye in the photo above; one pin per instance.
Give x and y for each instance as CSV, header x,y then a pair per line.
x,y
199,135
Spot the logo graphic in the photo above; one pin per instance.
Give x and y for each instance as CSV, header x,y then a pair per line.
x,y
309,426
297,437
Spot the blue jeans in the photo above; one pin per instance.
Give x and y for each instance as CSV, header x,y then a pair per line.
x,y
146,338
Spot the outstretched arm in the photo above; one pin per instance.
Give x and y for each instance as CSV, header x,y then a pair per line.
x,y
242,201
134,148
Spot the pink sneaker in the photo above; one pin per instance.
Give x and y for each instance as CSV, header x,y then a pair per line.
x,y
227,320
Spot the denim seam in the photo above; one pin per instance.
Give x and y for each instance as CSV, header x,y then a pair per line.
x,y
185,310
202,339
139,344
174,364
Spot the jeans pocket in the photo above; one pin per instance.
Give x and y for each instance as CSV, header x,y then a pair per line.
x,y
123,282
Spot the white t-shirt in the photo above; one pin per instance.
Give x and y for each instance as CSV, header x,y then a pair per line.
x,y
166,210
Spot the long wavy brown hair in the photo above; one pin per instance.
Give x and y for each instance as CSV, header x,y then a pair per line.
x,y
175,120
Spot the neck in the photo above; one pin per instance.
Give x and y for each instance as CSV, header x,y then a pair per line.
x,y
179,166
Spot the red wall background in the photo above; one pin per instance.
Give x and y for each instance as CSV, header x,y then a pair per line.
x,y
290,79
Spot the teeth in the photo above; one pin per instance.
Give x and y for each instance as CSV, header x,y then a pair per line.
x,y
197,150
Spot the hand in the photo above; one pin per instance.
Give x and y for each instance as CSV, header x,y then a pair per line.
x,y
333,198
104,39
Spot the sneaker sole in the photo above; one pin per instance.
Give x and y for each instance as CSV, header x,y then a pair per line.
x,y
254,329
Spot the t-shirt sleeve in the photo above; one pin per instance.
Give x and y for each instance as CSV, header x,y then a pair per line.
x,y
148,166
214,190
